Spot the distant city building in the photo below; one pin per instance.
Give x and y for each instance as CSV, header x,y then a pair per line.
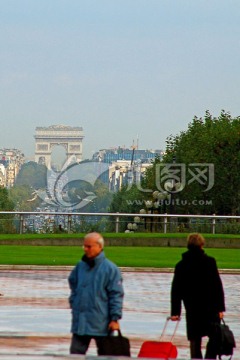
x,y
47,137
120,153
11,161
125,172
2,175
126,166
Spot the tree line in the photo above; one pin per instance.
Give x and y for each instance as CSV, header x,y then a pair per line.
x,y
204,162
208,154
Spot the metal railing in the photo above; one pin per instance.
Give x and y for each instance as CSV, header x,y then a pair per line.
x,y
45,221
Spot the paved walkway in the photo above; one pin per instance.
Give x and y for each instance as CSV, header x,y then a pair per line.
x,y
35,317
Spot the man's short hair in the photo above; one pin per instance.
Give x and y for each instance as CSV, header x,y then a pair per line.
x,y
100,241
195,240
97,237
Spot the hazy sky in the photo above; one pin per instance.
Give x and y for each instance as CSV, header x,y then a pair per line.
x,y
118,68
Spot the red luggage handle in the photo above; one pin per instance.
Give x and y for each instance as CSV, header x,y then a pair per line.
x,y
165,326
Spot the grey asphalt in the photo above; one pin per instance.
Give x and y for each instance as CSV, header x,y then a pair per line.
x,y
35,317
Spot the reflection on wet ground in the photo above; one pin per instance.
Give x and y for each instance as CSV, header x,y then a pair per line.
x,y
35,317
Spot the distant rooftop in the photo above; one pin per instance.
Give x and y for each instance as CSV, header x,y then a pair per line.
x,y
59,127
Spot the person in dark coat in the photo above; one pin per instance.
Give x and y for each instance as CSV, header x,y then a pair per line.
x,y
197,283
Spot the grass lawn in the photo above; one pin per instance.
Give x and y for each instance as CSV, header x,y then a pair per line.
x,y
158,257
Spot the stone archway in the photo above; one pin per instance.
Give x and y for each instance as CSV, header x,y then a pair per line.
x,y
47,137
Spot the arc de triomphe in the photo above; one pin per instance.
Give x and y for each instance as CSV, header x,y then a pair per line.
x,y
48,137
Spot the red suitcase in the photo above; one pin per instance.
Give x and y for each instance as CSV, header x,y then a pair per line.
x,y
160,349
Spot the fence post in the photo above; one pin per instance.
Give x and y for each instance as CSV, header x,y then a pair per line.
x,y
69,224
165,224
213,225
117,224
21,224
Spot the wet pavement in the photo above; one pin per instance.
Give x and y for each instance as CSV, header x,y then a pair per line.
x,y
35,316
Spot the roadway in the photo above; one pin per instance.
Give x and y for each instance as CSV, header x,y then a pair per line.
x,y
35,317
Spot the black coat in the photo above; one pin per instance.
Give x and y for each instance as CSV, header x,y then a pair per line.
x,y
197,283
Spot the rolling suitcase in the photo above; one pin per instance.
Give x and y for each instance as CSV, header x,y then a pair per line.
x,y
160,349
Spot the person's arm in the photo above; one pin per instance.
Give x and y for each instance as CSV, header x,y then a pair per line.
x,y
72,281
176,299
217,289
115,298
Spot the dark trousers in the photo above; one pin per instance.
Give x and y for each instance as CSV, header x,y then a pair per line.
x,y
80,343
196,352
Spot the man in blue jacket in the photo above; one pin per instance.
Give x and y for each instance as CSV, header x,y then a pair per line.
x,y
96,297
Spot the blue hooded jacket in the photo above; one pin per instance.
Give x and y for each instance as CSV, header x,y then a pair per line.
x,y
96,296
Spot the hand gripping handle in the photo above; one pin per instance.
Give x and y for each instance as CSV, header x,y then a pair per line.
x,y
165,327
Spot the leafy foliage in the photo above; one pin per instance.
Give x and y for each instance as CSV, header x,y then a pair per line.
x,y
6,220
32,174
5,203
216,141
127,200
209,140
19,195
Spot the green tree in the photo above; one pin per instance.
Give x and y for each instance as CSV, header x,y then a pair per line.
x,y
103,197
209,140
79,189
127,200
20,196
5,203
32,174
6,220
